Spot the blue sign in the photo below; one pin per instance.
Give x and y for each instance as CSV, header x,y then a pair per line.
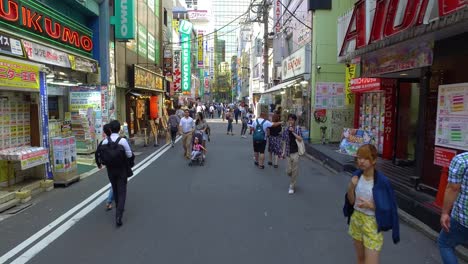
x,y
45,120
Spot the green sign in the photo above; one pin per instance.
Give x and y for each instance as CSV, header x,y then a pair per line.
x,y
186,71
142,41
124,19
151,46
185,27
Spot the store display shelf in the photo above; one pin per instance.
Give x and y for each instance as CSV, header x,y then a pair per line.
x,y
28,156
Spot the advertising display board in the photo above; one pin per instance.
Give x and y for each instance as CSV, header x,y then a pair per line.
x,y
452,116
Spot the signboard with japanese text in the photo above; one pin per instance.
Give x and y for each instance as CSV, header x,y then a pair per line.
x,y
200,49
146,79
452,116
44,120
142,41
349,75
151,47
296,64
364,85
10,45
443,156
18,75
176,73
83,64
124,19
40,53
389,88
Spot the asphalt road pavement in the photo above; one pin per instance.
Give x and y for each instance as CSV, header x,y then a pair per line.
x,y
228,211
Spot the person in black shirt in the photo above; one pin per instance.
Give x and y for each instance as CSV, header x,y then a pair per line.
x,y
274,142
290,135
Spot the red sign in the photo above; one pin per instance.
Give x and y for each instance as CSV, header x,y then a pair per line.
x,y
153,107
443,156
28,16
362,85
389,87
386,14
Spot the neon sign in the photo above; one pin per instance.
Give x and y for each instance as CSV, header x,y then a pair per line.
x,y
45,23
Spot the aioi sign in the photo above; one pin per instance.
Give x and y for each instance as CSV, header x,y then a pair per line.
x,y
43,22
375,20
124,19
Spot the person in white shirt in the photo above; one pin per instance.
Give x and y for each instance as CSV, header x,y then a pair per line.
x,y
186,127
212,111
118,175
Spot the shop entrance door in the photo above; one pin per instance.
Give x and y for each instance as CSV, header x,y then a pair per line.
x,y
407,122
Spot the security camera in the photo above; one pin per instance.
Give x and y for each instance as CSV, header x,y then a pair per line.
x,y
319,67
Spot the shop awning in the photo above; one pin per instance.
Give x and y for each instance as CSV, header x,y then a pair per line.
x,y
279,86
135,94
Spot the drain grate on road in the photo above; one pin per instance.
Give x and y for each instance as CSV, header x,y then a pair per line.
x,y
17,209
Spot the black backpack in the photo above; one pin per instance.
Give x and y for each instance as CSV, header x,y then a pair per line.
x,y
111,154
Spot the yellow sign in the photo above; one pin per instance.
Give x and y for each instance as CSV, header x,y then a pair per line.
x,y
350,74
18,75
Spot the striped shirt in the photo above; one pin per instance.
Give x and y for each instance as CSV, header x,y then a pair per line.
x,y
458,174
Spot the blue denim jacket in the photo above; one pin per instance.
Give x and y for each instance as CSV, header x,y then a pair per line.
x,y
386,209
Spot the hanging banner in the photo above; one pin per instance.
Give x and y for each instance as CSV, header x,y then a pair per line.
x,y
177,71
212,61
45,120
124,19
186,69
389,87
18,75
350,74
200,49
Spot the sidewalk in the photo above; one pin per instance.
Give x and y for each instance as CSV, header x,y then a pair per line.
x,y
416,207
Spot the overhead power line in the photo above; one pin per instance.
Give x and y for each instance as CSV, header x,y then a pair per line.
x,y
292,14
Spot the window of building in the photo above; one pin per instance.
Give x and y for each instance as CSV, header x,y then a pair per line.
x,y
165,17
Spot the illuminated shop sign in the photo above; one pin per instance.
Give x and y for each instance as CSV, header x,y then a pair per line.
x,y
45,23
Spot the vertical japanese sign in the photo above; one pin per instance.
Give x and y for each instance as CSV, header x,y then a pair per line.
x,y
177,71
45,119
212,61
278,7
185,30
124,19
389,87
350,74
200,49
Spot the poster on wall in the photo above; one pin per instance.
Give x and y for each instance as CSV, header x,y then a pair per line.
x,y
452,116
329,95
355,138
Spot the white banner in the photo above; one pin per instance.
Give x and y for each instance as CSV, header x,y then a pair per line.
x,y
40,53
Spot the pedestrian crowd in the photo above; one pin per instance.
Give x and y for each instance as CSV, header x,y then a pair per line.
x,y
369,205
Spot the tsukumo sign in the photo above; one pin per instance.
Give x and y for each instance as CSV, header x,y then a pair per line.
x,y
44,22
374,20
185,29
124,19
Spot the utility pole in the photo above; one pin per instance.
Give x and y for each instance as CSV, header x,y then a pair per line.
x,y
265,45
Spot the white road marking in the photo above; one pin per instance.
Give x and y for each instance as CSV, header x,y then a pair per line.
x,y
64,227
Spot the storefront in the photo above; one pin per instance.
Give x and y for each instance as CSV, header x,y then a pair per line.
x,y
418,57
145,102
23,111
292,94
64,49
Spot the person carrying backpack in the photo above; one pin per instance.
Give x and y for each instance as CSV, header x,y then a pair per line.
x,y
115,153
173,126
260,126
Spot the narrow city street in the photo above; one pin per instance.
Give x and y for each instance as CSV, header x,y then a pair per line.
x,y
228,211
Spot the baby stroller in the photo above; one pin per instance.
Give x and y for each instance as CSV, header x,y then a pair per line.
x,y
198,159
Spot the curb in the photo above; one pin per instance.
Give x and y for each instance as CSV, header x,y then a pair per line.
x,y
462,252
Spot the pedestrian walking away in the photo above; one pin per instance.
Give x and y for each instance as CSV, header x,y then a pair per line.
x,y
274,142
115,153
261,125
173,126
290,138
186,128
370,206
229,120
454,217
110,197
245,121
236,114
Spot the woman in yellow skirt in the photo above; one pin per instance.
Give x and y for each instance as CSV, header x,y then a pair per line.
x,y
372,198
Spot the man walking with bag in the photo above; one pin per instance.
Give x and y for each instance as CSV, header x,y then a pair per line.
x,y
260,126
293,147
116,154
